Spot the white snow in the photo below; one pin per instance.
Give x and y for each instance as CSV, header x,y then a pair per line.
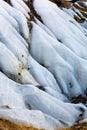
x,y
38,100
57,65
42,68
33,118
53,19
19,17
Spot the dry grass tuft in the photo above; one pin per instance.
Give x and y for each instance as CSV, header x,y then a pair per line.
x,y
5,124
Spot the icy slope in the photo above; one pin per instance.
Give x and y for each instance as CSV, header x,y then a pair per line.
x,y
43,65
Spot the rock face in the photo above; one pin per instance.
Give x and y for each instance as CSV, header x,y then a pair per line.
x,y
43,65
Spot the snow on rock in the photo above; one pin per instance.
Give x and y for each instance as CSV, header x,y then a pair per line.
x,y
17,104
23,5
10,19
9,98
15,43
40,100
78,64
43,64
45,28
57,65
77,9
33,98
12,67
46,79
20,6
19,17
52,18
33,118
